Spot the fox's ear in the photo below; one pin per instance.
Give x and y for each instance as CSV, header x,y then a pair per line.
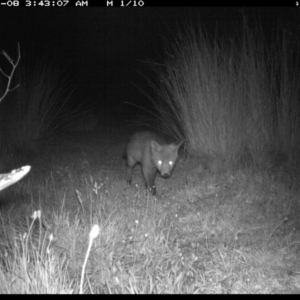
x,y
178,145
156,146
181,143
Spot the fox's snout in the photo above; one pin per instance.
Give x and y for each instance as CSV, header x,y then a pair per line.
x,y
164,168
165,175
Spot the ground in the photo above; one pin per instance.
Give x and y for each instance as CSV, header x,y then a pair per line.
x,y
232,231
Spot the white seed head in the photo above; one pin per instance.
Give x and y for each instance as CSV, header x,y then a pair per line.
x,y
94,232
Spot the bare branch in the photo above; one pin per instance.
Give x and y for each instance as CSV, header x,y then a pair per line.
x,y
10,76
4,73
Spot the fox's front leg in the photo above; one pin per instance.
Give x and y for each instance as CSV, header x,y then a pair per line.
x,y
149,176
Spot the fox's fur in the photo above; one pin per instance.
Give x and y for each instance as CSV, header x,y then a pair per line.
x,y
153,154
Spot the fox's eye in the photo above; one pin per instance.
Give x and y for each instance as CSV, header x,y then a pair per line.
x,y
160,162
170,163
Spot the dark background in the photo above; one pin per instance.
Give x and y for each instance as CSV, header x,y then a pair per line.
x,y
102,50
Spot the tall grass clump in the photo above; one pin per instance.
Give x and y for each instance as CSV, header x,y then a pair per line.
x,y
286,87
28,262
37,108
220,93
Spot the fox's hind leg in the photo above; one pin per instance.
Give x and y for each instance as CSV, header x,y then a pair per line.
x,y
130,164
129,174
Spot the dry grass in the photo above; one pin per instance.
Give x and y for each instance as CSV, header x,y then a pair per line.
x,y
235,232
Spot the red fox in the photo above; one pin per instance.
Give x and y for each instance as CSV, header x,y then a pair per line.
x,y
153,153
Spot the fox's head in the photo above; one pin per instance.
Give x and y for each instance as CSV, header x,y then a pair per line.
x,y
164,157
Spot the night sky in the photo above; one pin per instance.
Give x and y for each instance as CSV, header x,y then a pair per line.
x,y
101,50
